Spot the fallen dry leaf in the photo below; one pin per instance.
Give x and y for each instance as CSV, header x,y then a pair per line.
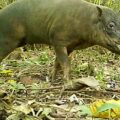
x,y
83,82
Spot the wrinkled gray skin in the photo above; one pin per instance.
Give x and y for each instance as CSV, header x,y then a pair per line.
x,y
65,24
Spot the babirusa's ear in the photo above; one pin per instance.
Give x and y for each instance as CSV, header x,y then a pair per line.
x,y
99,11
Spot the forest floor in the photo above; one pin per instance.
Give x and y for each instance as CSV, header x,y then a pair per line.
x,y
27,93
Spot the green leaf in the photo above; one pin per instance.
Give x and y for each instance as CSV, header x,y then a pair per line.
x,y
20,86
108,106
85,110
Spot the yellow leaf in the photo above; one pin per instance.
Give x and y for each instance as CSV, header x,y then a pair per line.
x,y
11,81
6,73
108,113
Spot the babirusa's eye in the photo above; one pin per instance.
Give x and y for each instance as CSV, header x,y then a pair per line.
x,y
111,25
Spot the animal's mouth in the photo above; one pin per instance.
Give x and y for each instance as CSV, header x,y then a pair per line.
x,y
114,47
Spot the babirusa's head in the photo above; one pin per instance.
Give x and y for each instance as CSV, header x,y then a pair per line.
x,y
108,29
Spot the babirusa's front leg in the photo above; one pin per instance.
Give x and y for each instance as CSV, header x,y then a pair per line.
x,y
62,58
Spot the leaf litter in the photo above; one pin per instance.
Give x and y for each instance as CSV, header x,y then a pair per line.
x,y
26,91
